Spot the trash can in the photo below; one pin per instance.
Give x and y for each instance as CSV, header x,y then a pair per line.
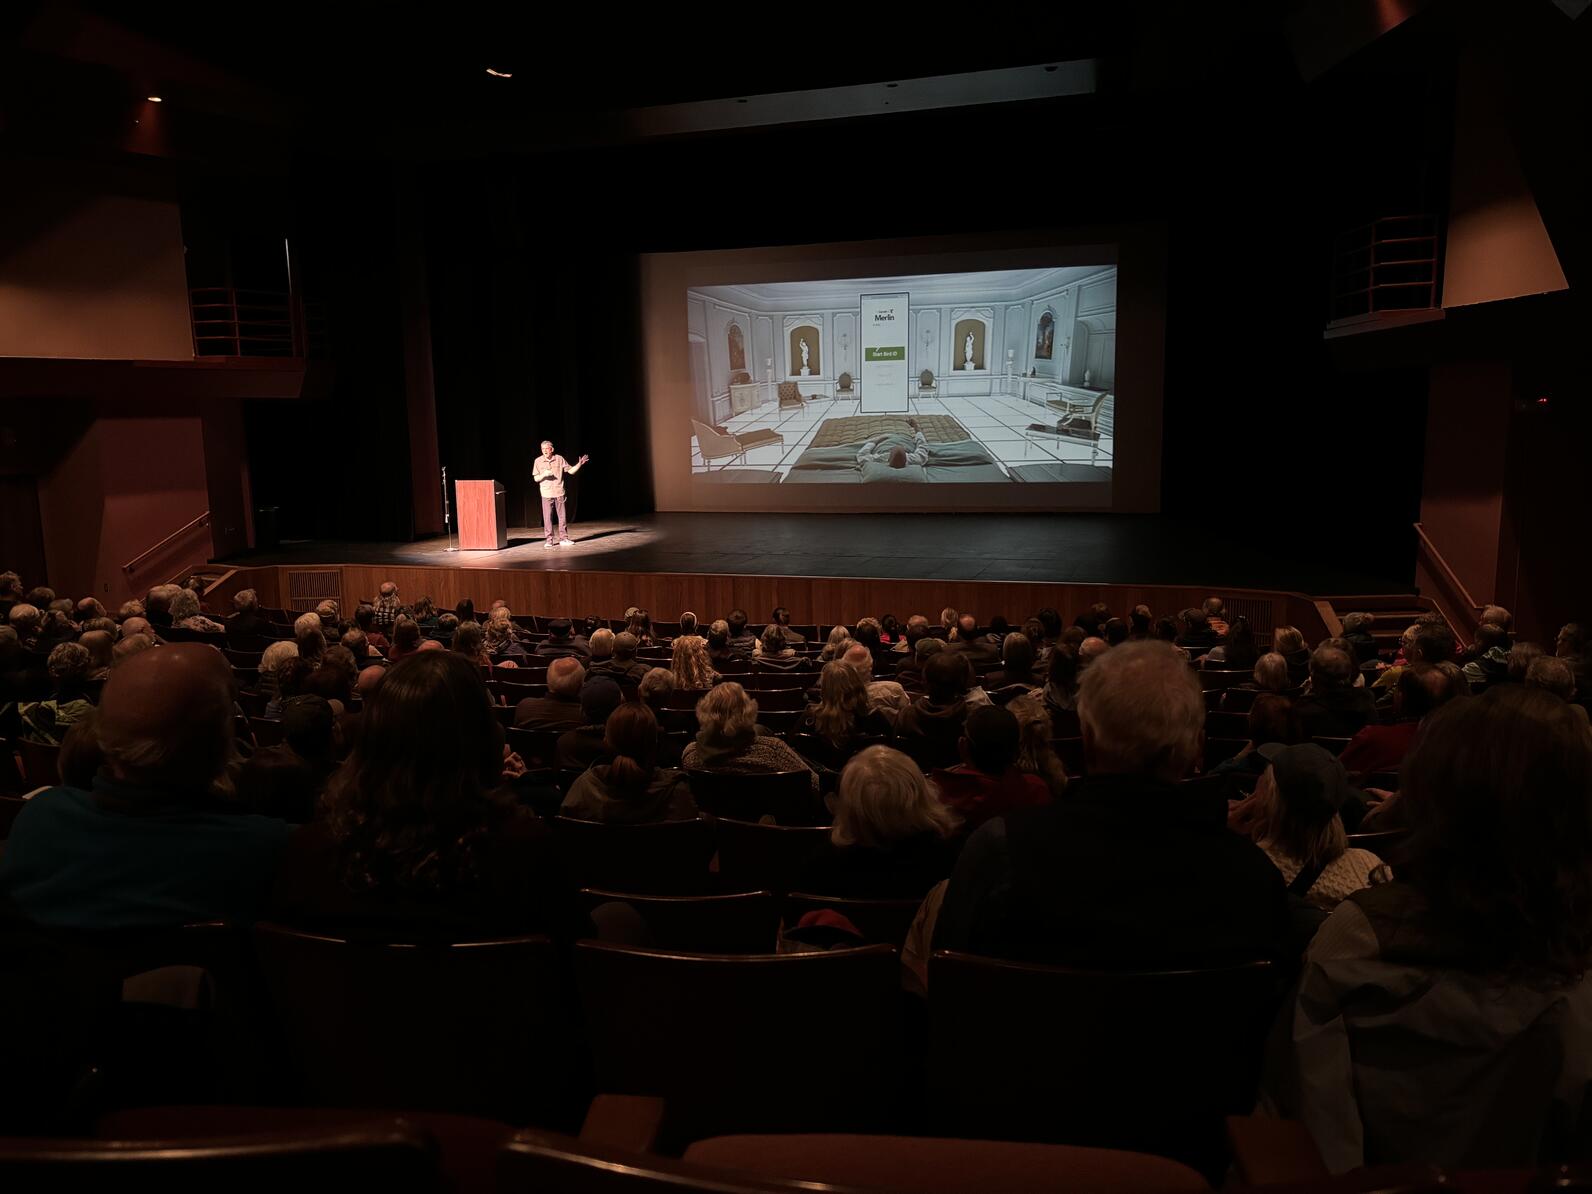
x,y
267,529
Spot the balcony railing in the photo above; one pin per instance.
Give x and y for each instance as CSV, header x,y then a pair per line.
x,y
1389,264
232,321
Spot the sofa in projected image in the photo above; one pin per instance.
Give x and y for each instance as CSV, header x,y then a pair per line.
x,y
715,443
953,455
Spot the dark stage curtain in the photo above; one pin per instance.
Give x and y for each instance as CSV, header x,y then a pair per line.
x,y
536,334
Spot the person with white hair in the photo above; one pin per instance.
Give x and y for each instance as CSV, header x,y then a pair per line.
x,y
247,621
185,615
727,739
386,606
1133,870
26,619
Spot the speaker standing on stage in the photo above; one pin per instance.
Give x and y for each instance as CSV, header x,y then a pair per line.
x,y
550,472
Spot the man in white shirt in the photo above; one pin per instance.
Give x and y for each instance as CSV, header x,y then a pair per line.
x,y
549,473
889,448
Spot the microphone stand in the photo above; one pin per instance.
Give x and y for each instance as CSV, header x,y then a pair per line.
x,y
447,520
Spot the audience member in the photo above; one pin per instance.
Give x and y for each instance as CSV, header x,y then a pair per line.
x,y
1547,672
742,641
99,644
1421,689
624,666
1435,1007
1035,754
728,739
774,654
501,647
1334,707
930,728
1061,692
1017,665
838,643
247,621
601,643
781,618
561,644
655,688
405,639
1215,611
843,710
969,642
892,837
48,720
384,612
1357,631
630,788
1197,636
720,654
470,641
560,708
131,645
1272,721
884,696
579,748
420,841
690,663
1130,870
1237,651
987,783
910,673
148,846
1288,642
639,624
286,780
365,621
25,620
1298,802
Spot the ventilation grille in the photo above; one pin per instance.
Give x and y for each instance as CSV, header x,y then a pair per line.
x,y
1258,613
306,590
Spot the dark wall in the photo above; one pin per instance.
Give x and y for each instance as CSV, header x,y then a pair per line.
x,y
533,269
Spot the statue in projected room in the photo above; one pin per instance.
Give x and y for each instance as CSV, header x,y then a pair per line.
x,y
806,352
967,352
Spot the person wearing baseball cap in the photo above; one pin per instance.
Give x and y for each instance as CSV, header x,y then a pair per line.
x,y
1299,799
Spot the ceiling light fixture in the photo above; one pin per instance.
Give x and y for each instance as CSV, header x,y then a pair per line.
x,y
154,99
500,74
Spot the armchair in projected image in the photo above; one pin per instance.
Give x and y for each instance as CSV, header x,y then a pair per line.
x,y
719,445
846,388
927,388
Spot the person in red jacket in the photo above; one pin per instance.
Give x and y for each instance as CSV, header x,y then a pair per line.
x,y
987,783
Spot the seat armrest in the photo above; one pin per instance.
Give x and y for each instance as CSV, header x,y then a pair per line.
x,y
623,1121
1269,1151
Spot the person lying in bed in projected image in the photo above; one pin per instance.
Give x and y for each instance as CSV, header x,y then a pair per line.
x,y
889,448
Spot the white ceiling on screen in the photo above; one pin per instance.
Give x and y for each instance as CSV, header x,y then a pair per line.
x,y
992,286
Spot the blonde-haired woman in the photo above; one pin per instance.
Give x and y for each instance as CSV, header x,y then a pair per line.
x,y
1289,642
891,839
1035,755
690,663
839,643
842,711
727,739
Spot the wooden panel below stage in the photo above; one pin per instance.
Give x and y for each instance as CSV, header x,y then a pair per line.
x,y
810,599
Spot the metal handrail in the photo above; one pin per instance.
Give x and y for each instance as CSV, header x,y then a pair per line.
x,y
1447,573
202,520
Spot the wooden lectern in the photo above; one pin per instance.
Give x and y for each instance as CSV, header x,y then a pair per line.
x,y
482,524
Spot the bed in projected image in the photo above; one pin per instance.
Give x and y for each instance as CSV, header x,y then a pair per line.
x,y
997,376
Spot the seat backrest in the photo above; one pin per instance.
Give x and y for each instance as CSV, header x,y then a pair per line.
x,y
534,746
787,796
1333,746
782,700
1149,1060
883,921
1210,677
925,379
546,1161
1227,725
381,1154
745,922
749,1072
41,763
663,858
266,731
758,857
478,1028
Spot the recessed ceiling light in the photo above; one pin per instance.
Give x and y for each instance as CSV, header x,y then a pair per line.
x,y
499,74
154,99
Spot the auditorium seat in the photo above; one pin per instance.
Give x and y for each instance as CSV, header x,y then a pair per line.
x,y
756,857
1227,725
1380,841
1218,750
478,1028
766,679
12,782
781,700
744,922
252,703
380,1152
935,1166
1210,678
825,753
1237,700
267,731
780,722
1150,1061
10,806
882,921
787,796
1333,746
727,1040
662,858
243,658
534,746
41,763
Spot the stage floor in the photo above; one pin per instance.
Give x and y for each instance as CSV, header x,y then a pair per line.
x,y
1077,548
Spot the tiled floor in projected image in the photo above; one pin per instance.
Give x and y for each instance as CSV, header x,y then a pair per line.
x,y
999,422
